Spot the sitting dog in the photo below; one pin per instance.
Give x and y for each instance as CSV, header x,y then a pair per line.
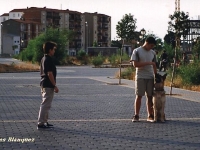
x,y
159,98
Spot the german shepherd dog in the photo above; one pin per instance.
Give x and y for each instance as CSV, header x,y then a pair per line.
x,y
159,98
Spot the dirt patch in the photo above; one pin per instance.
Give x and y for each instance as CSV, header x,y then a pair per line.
x,y
23,67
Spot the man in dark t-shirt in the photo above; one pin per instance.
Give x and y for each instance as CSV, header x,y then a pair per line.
x,y
48,84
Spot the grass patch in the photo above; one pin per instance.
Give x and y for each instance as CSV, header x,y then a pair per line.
x,y
21,67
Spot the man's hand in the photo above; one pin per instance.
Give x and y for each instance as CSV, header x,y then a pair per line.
x,y
56,90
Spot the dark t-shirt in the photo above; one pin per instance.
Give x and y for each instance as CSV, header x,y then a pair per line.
x,y
47,65
164,56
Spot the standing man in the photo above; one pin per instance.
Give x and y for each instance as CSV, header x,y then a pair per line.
x,y
144,59
48,84
163,61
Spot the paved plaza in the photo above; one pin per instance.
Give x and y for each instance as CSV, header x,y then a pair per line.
x,y
92,112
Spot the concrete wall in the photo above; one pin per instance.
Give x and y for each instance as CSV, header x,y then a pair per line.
x,y
105,51
7,45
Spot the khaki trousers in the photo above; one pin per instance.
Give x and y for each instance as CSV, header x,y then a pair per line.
x,y
47,97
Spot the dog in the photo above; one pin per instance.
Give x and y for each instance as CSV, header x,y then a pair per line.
x,y
159,98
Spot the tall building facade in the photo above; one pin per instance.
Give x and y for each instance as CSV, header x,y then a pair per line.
x,y
97,30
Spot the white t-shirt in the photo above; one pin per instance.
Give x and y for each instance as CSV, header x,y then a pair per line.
x,y
141,55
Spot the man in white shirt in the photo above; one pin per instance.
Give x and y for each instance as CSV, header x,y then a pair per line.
x,y
144,59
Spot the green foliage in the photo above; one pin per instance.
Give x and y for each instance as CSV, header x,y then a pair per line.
x,y
82,57
159,44
190,74
196,47
116,43
179,23
34,50
170,51
170,39
115,58
95,44
126,27
98,60
128,73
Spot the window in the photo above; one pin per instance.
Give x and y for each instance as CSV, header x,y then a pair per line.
x,y
13,15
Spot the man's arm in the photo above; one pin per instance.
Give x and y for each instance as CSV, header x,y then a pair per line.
x,y
51,78
142,64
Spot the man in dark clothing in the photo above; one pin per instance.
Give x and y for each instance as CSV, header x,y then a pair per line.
x,y
163,61
48,84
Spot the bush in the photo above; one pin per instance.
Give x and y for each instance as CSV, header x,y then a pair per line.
x,y
115,59
190,74
82,57
128,73
98,61
34,50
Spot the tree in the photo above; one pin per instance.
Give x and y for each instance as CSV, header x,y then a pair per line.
x,y
179,24
126,27
116,43
34,50
170,39
95,44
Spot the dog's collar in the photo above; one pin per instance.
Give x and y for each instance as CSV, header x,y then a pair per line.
x,y
160,90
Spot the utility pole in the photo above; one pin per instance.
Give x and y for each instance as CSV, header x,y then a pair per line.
x,y
177,5
177,9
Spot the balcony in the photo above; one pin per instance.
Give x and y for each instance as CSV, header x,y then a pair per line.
x,y
49,15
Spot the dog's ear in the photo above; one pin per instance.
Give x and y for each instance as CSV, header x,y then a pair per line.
x,y
164,76
157,78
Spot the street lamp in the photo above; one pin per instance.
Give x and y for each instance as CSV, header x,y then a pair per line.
x,y
86,37
1,39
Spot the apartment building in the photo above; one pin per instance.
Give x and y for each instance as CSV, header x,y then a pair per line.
x,y
97,30
89,27
16,33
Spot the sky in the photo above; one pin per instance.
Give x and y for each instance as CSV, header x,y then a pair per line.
x,y
152,15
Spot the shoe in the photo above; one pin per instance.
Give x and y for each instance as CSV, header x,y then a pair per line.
x,y
135,118
150,118
43,127
49,125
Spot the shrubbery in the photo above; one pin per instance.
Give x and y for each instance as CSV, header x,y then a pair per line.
x,y
128,73
115,59
190,74
82,57
98,60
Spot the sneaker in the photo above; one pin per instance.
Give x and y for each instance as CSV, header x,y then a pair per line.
x,y
49,125
150,118
135,118
43,127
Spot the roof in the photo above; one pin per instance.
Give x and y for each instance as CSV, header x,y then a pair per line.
x,y
44,8
22,21
17,10
5,14
25,21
